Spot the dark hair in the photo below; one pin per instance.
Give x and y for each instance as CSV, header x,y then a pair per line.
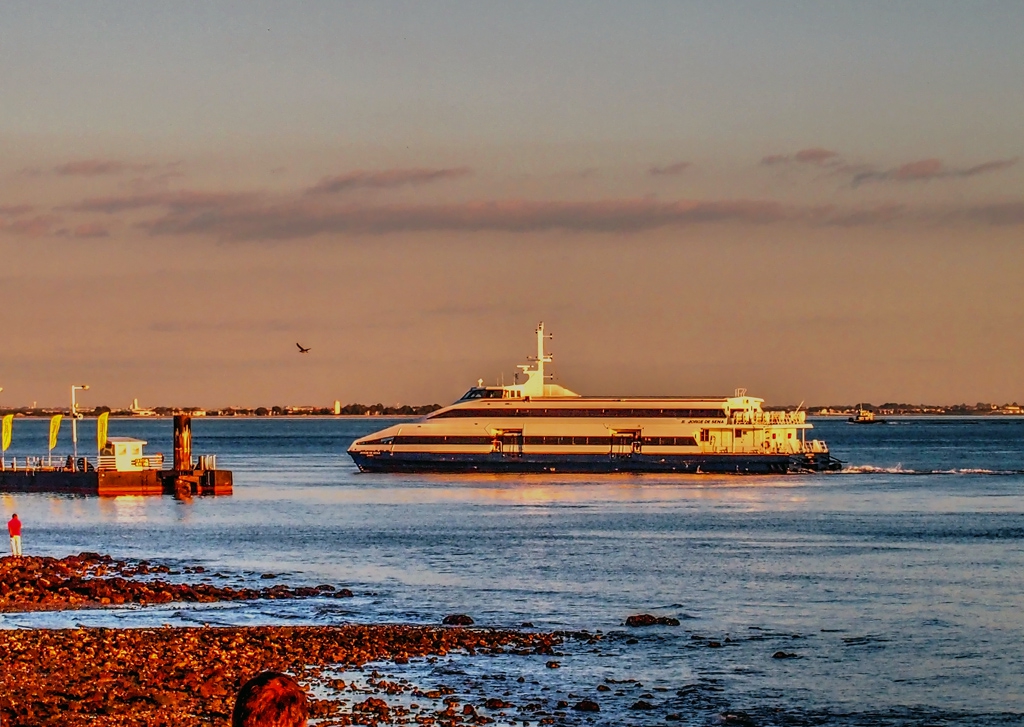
x,y
270,699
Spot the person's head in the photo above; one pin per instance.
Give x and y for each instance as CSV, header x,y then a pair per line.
x,y
270,699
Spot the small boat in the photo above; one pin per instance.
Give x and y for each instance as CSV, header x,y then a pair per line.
x,y
536,426
864,416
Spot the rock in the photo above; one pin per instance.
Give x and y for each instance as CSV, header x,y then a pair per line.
x,y
561,704
526,625
379,706
495,703
457,619
587,705
630,642
641,704
553,665
785,655
646,619
603,688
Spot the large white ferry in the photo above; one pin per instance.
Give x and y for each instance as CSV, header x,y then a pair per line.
x,y
536,426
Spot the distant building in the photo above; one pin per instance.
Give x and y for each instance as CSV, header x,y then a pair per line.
x,y
138,411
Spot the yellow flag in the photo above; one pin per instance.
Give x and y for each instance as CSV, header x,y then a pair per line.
x,y
54,429
6,435
101,430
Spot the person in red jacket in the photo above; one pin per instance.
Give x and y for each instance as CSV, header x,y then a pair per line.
x,y
14,530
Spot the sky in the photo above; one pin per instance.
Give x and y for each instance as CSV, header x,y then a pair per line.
x,y
819,202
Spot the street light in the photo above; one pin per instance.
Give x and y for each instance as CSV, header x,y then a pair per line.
x,y
74,417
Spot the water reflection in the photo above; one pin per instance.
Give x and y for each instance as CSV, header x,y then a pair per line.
x,y
130,509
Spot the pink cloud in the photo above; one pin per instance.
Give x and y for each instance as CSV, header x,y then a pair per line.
x,y
291,220
13,210
98,167
184,199
996,213
90,229
924,170
814,155
38,226
384,179
668,170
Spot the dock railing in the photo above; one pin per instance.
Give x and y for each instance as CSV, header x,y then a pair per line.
x,y
65,463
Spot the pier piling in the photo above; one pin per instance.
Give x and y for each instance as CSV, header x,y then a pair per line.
x,y
182,443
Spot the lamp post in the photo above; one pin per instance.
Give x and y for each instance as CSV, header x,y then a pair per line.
x,y
74,417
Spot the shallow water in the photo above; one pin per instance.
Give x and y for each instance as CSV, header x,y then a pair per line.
x,y
896,583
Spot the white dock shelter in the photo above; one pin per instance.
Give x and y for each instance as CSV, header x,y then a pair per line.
x,y
127,454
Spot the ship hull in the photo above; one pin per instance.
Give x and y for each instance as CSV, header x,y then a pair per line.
x,y
596,464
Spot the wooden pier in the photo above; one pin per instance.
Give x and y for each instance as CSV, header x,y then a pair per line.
x,y
184,480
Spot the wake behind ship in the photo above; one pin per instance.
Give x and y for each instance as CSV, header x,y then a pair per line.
x,y
540,427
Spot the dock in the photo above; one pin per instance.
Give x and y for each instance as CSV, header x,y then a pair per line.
x,y
123,468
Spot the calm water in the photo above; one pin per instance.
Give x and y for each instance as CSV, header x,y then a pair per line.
x,y
897,584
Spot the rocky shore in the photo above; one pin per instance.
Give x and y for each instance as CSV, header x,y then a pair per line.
x,y
90,580
188,676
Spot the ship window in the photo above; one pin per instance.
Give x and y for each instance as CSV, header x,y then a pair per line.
x,y
739,433
669,442
443,439
705,435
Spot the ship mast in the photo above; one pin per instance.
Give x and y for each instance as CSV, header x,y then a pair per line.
x,y
541,358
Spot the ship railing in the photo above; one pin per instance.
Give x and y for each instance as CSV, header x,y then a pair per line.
x,y
794,446
769,417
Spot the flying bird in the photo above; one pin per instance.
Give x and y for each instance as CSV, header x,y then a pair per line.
x,y
301,349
